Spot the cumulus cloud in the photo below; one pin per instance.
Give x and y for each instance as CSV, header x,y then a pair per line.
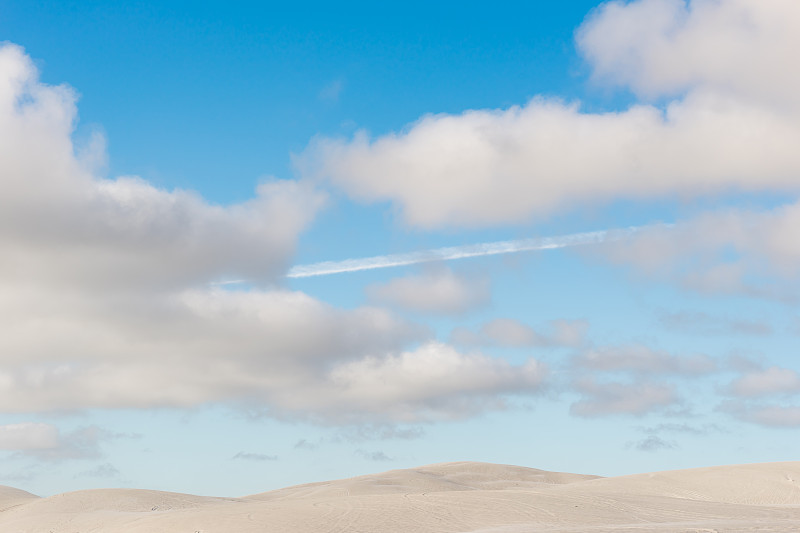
x,y
614,398
60,224
734,123
667,47
28,436
188,349
434,382
436,291
730,251
762,382
769,415
485,168
107,298
640,359
704,324
81,443
508,332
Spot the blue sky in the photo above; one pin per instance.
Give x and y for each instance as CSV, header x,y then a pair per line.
x,y
151,154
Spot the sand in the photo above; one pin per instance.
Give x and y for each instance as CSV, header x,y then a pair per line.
x,y
451,497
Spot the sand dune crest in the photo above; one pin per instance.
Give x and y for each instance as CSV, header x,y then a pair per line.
x,y
442,498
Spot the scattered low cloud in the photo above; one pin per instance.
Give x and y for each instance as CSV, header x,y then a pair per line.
x,y
699,323
508,332
79,444
28,436
105,470
733,251
248,456
767,381
433,382
436,291
640,359
371,432
378,456
684,428
109,299
618,398
653,443
304,444
767,415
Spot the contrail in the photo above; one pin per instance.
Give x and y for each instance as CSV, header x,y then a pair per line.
x,y
460,252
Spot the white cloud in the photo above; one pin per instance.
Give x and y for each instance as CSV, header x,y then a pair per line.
x,y
374,456
437,291
249,456
433,382
770,415
105,470
613,398
508,332
772,380
28,436
107,298
181,350
485,168
332,91
654,443
734,125
732,251
666,47
62,225
47,443
704,324
643,360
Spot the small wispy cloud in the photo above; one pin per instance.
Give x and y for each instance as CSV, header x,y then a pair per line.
x,y
654,443
374,456
332,91
255,456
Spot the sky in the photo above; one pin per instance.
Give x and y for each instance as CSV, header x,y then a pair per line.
x,y
255,245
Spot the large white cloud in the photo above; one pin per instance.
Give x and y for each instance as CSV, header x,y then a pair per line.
x,y
436,381
107,298
666,47
59,222
724,131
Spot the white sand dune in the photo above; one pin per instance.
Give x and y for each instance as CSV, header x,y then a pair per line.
x,y
450,497
11,497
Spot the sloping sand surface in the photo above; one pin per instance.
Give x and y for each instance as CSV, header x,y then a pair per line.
x,y
451,497
11,497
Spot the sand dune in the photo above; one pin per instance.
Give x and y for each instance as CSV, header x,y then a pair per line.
x,y
450,497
